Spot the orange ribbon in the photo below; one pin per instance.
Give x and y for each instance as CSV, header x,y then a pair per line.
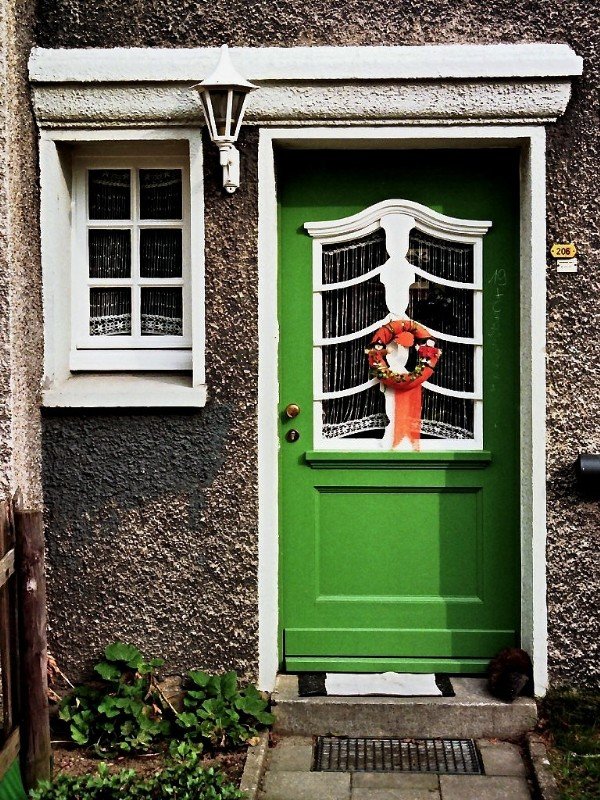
x,y
408,393
407,417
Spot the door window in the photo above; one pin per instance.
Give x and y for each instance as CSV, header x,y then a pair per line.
x,y
398,347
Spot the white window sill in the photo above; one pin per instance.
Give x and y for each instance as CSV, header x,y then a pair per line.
x,y
110,390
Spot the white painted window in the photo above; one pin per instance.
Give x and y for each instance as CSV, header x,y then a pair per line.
x,y
122,258
131,264
397,261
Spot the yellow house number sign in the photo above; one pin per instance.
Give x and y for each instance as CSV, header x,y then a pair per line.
x,y
563,250
564,253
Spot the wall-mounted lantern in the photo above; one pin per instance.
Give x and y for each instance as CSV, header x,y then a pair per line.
x,y
223,96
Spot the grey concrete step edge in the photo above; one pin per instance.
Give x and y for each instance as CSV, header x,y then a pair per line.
x,y
455,721
542,772
254,766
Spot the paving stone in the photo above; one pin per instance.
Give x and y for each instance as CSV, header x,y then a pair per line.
x,y
293,741
394,780
395,794
501,759
483,787
307,786
291,758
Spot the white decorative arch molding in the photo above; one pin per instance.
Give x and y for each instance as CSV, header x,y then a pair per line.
x,y
426,219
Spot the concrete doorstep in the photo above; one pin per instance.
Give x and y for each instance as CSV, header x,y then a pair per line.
x,y
473,713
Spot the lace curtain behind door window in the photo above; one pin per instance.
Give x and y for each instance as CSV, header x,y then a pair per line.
x,y
350,314
353,306
449,310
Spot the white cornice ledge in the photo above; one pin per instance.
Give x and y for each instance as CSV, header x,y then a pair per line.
x,y
425,62
306,85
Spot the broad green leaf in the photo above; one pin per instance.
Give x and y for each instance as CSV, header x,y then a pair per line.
x,y
77,736
229,685
110,706
199,678
119,651
187,719
109,672
195,695
265,718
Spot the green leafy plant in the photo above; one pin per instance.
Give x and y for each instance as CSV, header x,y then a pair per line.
x,y
124,710
179,781
218,711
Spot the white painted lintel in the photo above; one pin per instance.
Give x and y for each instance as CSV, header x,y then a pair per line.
x,y
429,84
426,62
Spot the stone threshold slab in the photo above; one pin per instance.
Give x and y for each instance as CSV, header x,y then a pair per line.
x,y
472,713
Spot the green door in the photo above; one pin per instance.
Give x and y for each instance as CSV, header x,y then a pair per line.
x,y
399,510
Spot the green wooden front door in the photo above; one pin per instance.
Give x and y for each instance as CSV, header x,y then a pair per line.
x,y
404,559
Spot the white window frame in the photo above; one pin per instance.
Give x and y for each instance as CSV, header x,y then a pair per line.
x,y
126,352
88,371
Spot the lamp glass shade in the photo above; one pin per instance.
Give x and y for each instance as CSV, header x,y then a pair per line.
x,y
207,109
237,110
218,98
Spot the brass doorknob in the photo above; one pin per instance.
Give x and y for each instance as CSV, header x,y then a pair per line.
x,y
292,410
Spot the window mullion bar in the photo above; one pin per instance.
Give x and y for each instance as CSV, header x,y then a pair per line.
x,y
118,224
135,255
80,254
161,282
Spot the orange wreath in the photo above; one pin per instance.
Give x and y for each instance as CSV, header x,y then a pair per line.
x,y
405,333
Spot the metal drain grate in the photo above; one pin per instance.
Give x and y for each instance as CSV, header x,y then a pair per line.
x,y
363,754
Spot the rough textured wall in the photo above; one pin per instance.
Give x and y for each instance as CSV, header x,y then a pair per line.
x,y
5,276
20,304
573,150
573,399
151,523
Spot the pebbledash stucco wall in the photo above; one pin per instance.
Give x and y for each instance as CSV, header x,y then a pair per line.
x,y
20,292
151,517
152,528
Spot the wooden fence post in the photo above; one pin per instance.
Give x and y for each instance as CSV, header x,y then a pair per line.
x,y
35,728
9,646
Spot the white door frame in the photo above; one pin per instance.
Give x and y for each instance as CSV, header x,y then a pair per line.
x,y
531,142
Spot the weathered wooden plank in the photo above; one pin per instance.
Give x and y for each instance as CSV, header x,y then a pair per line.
x,y
8,631
9,752
17,500
35,729
7,567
